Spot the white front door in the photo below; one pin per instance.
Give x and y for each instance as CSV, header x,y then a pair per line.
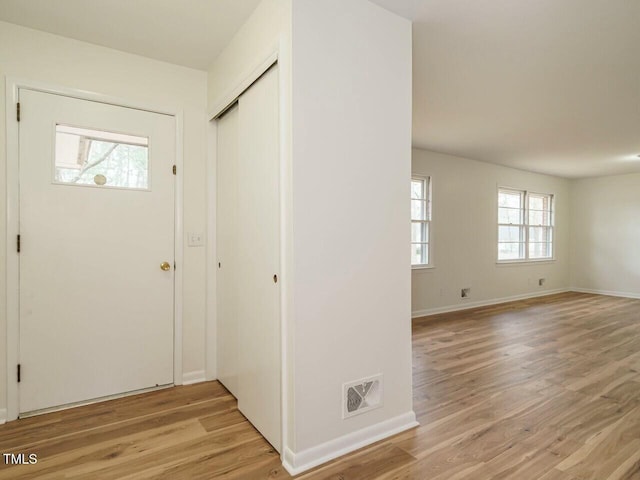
x,y
96,223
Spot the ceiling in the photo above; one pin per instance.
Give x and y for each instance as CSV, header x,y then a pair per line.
x,y
548,86
184,32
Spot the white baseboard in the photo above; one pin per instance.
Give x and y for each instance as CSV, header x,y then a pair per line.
x,y
485,303
606,292
296,463
190,378
3,416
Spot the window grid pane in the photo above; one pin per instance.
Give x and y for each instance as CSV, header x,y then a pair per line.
x,y
539,234
420,220
508,215
417,189
419,232
525,225
511,251
418,210
540,250
510,198
540,217
419,253
510,234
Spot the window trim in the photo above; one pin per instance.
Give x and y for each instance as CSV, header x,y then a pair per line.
x,y
525,211
428,182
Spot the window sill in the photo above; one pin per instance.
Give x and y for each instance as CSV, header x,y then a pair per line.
x,y
511,263
422,267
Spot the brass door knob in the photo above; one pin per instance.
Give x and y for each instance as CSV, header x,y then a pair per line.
x,y
165,266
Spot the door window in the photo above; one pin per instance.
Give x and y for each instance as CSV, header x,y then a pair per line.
x,y
98,158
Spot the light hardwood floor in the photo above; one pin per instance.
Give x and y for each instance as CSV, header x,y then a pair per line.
x,y
543,389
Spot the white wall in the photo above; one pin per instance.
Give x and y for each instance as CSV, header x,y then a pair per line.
x,y
351,169
605,253
345,298
37,56
267,29
464,235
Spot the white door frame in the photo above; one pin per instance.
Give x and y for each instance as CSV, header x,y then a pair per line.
x,y
13,86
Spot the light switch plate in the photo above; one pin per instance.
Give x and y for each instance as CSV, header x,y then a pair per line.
x,y
195,239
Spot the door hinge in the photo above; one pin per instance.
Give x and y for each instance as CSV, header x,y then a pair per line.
x,y
18,111
18,373
18,243
174,265
175,170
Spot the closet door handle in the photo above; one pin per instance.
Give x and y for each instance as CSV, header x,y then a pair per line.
x,y
275,278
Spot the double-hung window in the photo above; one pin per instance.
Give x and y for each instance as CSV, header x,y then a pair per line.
x,y
420,221
525,225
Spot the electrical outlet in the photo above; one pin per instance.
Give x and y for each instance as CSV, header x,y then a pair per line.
x,y
465,292
541,281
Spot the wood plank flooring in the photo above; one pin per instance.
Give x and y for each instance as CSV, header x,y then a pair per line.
x,y
542,389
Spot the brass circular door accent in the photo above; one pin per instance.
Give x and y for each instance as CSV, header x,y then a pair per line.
x,y
165,266
100,179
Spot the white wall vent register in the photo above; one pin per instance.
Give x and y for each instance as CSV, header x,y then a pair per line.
x,y
361,396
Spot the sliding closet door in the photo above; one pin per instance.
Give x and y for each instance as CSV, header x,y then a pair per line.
x,y
258,257
227,198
